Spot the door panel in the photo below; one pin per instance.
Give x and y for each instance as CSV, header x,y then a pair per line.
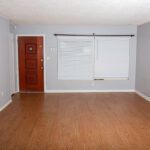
x,y
30,64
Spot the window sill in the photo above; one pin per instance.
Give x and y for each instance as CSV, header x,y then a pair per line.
x,y
112,79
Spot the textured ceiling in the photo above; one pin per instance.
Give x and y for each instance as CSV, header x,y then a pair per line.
x,y
76,12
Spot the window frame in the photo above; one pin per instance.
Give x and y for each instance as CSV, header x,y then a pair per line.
x,y
94,49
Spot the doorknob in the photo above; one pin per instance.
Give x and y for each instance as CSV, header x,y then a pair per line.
x,y
41,59
42,68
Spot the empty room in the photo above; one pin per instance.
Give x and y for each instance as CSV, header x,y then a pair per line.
x,y
74,75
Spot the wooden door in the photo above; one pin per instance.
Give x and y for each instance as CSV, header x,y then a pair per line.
x,y
31,69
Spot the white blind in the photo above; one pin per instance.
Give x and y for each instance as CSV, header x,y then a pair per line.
x,y
75,58
111,57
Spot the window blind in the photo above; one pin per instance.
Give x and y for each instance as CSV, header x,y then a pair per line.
x,y
111,57
75,58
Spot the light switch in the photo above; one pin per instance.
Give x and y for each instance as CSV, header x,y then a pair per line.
x,y
52,49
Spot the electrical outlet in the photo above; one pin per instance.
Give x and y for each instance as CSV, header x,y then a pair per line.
x,y
2,93
92,84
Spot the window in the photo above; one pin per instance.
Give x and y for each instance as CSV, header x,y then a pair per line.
x,y
111,57
88,58
75,58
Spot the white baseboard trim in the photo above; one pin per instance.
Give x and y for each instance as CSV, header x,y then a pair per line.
x,y
5,105
86,91
15,92
143,95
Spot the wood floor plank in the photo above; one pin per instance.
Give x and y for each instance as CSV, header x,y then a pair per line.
x,y
76,121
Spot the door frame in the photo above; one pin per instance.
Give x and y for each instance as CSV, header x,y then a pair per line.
x,y
12,63
17,57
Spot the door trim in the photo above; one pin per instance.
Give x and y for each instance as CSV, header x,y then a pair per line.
x,y
12,63
17,57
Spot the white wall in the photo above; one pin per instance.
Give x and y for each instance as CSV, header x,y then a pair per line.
x,y
143,60
4,63
51,65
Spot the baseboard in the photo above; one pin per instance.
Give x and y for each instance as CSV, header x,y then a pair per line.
x,y
5,105
14,93
143,95
86,91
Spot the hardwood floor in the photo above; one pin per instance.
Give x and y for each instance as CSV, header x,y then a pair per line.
x,y
76,121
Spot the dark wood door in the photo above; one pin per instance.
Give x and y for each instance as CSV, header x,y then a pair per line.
x,y
31,70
